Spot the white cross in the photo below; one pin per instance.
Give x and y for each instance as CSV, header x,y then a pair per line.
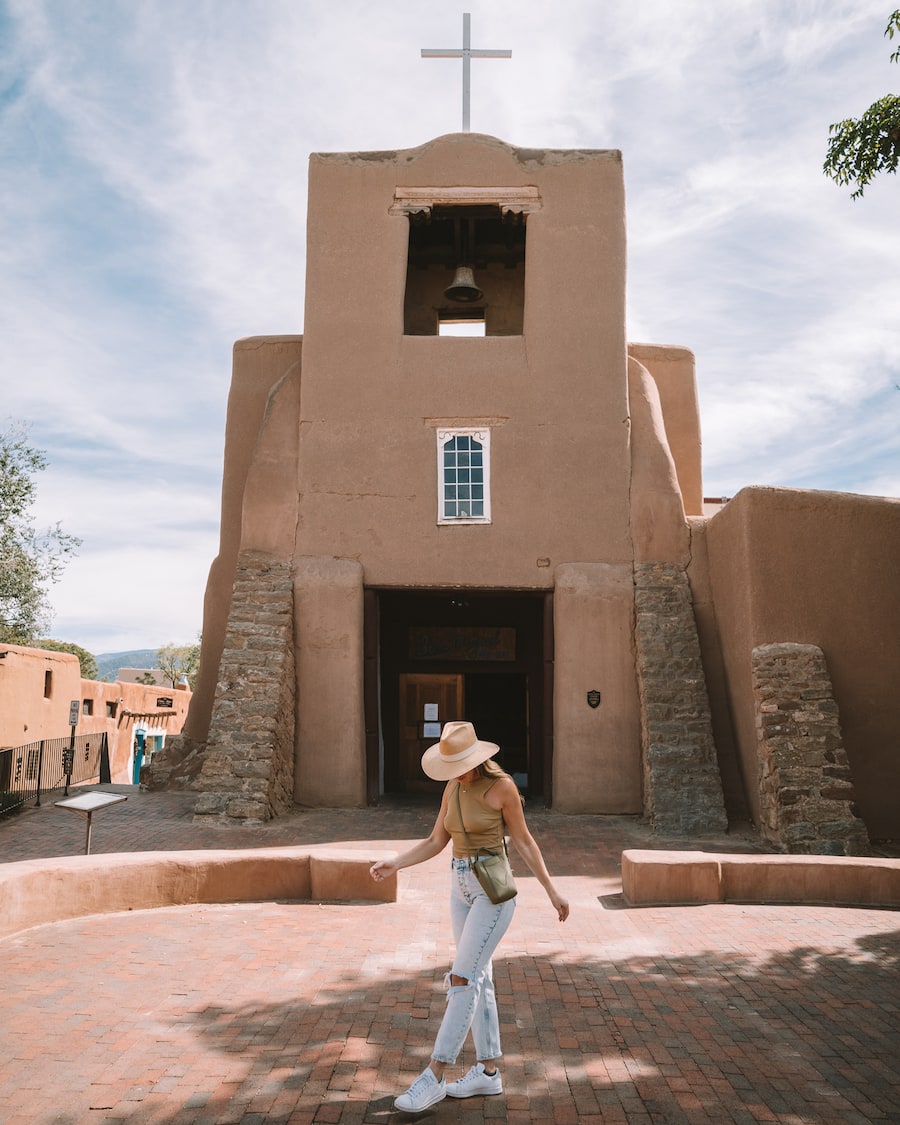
x,y
466,54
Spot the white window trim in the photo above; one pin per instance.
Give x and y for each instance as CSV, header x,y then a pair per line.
x,y
482,435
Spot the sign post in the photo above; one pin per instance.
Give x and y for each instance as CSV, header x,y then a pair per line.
x,y
74,711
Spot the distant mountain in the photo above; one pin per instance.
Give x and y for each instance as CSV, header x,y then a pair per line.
x,y
109,663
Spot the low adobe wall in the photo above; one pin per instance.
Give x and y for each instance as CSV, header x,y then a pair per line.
x,y
656,878
36,891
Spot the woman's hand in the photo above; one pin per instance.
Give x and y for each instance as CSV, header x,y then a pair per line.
x,y
424,850
560,905
383,869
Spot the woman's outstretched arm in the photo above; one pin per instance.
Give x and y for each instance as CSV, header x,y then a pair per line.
x,y
424,850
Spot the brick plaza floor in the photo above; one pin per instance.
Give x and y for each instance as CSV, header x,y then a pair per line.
x,y
306,1012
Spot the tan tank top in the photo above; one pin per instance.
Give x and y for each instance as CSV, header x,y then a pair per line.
x,y
484,825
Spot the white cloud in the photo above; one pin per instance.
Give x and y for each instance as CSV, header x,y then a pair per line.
x,y
153,209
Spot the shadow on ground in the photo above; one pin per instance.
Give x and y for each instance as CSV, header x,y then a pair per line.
x,y
672,1040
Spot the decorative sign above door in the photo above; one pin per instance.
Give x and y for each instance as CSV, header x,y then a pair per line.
x,y
461,642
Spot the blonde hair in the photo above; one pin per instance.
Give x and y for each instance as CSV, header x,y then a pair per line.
x,y
492,769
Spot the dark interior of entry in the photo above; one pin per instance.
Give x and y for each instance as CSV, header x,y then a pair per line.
x,y
498,706
491,646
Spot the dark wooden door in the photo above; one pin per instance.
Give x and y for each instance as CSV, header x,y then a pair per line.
x,y
425,698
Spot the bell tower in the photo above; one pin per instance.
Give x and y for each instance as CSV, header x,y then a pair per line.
x,y
492,465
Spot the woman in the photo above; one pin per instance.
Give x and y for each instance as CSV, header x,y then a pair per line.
x,y
483,799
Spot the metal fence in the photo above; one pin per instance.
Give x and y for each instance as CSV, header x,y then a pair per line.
x,y
53,763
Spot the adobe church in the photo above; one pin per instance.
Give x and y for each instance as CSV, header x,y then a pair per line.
x,y
463,494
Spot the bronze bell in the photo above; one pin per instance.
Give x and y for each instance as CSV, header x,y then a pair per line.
x,y
463,287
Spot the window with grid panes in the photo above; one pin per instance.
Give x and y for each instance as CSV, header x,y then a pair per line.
x,y
464,476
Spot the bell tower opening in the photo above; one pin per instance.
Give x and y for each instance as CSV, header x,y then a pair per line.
x,y
465,266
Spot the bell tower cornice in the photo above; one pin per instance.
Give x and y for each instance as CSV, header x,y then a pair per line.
x,y
510,200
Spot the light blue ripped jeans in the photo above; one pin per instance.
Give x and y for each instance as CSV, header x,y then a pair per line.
x,y
478,925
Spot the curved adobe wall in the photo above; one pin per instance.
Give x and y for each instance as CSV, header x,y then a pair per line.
x,y
672,369
258,365
37,891
659,531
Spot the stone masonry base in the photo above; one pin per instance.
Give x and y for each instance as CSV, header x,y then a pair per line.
x,y
247,775
682,785
805,787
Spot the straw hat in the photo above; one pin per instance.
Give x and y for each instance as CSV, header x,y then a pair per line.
x,y
458,752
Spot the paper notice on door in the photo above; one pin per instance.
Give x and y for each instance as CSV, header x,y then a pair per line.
x,y
431,713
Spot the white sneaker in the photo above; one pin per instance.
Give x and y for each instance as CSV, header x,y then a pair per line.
x,y
476,1082
425,1091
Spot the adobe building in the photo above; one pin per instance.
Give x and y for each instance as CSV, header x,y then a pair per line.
x,y
508,526
38,687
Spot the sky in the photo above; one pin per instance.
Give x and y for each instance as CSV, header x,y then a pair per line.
x,y
153,166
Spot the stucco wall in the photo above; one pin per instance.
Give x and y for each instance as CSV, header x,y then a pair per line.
x,y
597,765
259,363
26,714
330,763
672,368
816,568
659,531
730,771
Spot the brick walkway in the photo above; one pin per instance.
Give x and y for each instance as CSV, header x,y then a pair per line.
x,y
286,1012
